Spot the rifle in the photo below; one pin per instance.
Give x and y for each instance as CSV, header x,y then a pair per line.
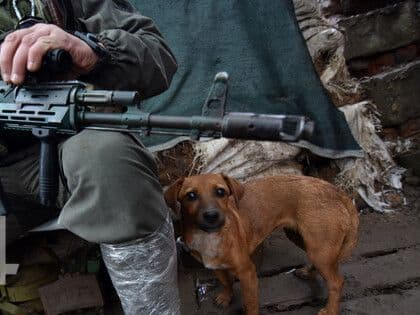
x,y
47,109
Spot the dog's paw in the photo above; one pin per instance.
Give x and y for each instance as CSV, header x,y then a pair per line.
x,y
323,311
305,273
223,299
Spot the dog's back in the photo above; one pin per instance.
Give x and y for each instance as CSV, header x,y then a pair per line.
x,y
296,203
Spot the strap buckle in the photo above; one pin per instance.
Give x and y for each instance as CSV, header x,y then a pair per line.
x,y
17,11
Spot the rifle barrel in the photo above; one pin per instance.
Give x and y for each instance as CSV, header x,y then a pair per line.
x,y
147,120
233,125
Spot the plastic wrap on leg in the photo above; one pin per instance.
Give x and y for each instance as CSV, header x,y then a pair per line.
x,y
144,273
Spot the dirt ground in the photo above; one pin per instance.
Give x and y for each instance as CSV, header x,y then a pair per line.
x,y
382,276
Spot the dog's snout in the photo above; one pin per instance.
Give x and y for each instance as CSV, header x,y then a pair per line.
x,y
211,216
211,219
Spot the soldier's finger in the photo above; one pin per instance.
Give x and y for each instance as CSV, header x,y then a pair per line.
x,y
20,58
38,51
7,52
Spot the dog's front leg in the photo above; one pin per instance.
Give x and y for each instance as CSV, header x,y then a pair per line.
x,y
249,287
224,298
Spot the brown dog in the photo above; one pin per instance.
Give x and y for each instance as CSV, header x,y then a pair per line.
x,y
223,222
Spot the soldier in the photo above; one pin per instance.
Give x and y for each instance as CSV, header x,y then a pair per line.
x,y
109,190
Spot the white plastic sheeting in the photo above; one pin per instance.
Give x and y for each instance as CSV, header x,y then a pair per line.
x,y
244,160
144,273
376,176
325,43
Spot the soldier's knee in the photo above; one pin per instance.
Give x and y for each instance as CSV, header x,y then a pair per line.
x,y
99,153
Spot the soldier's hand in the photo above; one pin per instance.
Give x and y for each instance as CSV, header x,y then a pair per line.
x,y
24,49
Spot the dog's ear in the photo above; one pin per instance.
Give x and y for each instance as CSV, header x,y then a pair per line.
x,y
235,187
171,195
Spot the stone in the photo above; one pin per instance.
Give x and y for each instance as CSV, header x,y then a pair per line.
x,y
399,302
411,160
396,93
384,61
278,254
405,302
407,53
381,30
410,128
368,66
390,134
285,290
412,180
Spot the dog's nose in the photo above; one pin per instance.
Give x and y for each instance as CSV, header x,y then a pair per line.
x,y
211,216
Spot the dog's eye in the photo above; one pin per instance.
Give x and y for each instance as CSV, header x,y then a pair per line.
x,y
220,192
191,196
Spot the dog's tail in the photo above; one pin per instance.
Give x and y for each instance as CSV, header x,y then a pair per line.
x,y
350,239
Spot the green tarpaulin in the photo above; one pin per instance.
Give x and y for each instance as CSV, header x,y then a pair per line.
x,y
259,44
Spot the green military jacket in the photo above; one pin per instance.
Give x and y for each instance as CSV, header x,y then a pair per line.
x,y
140,59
